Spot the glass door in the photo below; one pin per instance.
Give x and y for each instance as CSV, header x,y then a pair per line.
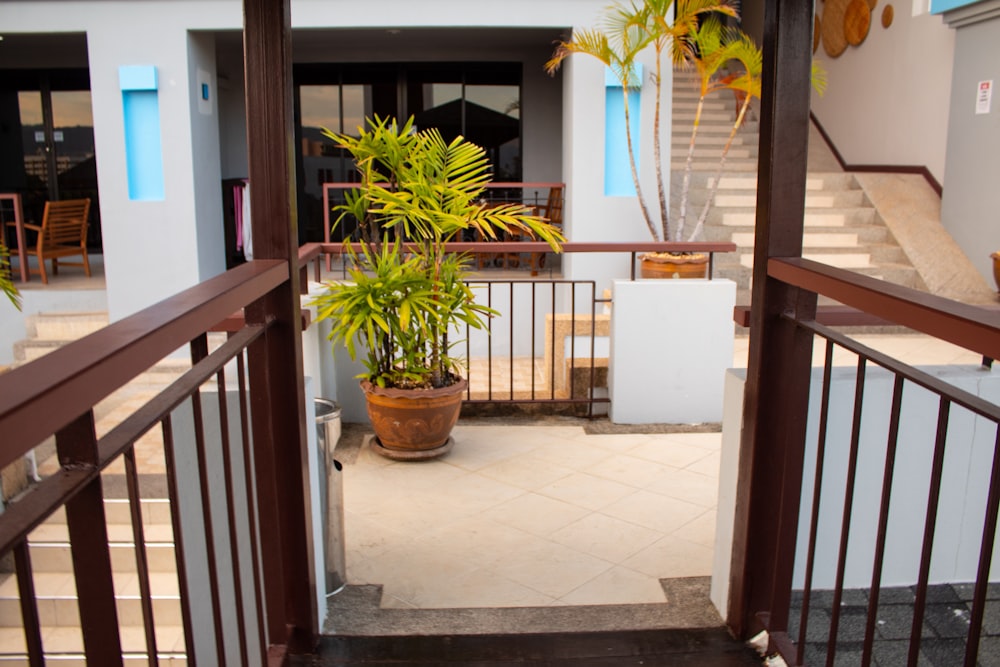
x,y
57,133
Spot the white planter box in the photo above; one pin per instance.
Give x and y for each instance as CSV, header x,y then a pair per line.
x,y
671,343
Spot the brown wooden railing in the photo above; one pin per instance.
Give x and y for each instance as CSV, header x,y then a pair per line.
x,y
806,622
56,395
539,316
219,529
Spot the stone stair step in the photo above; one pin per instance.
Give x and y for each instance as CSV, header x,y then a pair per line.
x,y
706,117
64,646
814,182
118,511
683,140
845,260
713,165
56,556
809,240
831,218
65,326
692,104
814,198
735,153
62,609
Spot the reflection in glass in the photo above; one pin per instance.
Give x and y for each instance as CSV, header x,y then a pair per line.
x,y
33,137
73,138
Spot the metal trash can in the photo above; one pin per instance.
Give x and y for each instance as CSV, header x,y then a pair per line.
x,y
331,494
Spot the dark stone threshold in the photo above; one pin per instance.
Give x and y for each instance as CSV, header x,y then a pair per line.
x,y
684,630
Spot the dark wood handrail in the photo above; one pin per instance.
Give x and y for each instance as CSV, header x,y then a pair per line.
x,y
568,247
40,398
971,327
24,516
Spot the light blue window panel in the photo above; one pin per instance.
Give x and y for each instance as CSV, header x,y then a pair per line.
x,y
143,147
942,6
617,171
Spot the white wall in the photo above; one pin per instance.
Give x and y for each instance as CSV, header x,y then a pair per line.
x,y
671,343
965,480
971,200
152,249
590,214
887,99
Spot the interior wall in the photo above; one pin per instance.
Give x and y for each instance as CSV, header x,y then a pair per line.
x,y
206,170
970,206
887,100
232,107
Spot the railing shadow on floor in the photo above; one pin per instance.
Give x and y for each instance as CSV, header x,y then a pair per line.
x,y
848,572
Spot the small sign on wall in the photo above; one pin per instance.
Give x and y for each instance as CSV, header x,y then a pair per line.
x,y
984,94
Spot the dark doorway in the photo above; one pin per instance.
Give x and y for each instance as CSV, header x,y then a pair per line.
x,y
47,129
480,101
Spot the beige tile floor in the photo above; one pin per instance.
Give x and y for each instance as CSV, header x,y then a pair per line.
x,y
530,516
548,515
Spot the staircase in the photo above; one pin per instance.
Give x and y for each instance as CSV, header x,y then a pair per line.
x,y
842,228
55,591
51,560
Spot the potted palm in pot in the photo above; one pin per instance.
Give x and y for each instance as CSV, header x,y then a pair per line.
x,y
693,38
407,295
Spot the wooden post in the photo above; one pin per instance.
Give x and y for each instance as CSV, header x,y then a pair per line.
x,y
277,392
776,395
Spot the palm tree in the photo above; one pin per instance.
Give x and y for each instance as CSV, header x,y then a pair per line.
x,y
627,30
716,48
617,49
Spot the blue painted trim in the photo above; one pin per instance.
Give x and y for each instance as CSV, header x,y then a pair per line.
x,y
137,77
617,170
942,6
143,148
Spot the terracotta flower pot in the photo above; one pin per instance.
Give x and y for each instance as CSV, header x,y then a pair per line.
x,y
694,265
413,423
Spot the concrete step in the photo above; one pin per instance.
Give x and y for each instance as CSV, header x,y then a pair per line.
x,y
711,166
709,104
832,218
117,511
814,198
55,594
65,326
707,117
715,153
814,182
64,646
868,235
680,139
56,557
719,128
815,240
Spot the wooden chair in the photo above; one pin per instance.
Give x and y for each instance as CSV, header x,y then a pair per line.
x,y
552,210
63,233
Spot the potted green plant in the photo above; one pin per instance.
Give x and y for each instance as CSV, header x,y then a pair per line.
x,y
696,38
407,294
6,282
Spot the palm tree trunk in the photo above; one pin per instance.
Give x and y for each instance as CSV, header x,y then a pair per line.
x,y
688,166
718,174
635,171
657,160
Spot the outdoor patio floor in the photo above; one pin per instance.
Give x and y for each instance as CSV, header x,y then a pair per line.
x,y
530,514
